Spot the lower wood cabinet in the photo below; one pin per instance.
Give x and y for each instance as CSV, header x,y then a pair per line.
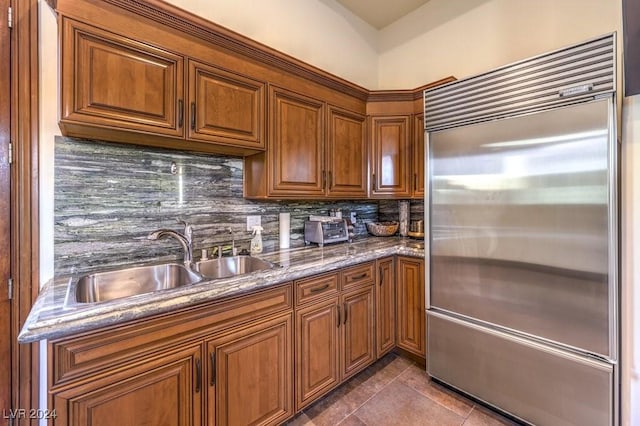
x,y
335,331
253,359
163,390
385,289
410,323
250,377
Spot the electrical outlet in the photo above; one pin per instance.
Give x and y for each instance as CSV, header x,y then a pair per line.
x,y
253,221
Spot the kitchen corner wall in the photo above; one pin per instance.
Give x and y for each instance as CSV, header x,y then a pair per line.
x,y
109,197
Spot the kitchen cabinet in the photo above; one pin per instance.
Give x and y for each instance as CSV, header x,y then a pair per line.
x,y
116,88
225,107
111,81
316,150
418,157
334,329
250,377
224,362
160,390
296,151
385,298
410,331
390,156
347,155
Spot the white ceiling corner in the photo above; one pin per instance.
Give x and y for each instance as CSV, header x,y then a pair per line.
x,y
380,13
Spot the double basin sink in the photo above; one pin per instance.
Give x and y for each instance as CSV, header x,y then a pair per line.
x,y
105,286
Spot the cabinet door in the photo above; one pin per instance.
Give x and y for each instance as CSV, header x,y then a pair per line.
x,y
411,325
385,306
418,156
250,374
166,390
347,154
358,331
390,156
225,108
317,351
111,81
296,150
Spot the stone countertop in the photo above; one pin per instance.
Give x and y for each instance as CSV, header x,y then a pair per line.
x,y
50,318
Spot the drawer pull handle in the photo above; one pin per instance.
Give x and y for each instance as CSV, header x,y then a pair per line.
x,y
317,289
180,113
345,312
359,277
198,374
381,276
338,315
213,368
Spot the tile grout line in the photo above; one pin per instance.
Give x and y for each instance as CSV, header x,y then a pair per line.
x,y
372,396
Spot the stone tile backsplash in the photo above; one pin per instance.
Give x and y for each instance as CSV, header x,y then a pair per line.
x,y
109,197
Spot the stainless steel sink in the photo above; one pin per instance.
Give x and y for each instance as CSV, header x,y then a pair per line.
x,y
103,286
232,266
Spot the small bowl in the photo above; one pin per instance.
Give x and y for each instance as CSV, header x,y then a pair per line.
x,y
382,229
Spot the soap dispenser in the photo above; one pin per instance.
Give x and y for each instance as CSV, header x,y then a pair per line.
x,y
256,241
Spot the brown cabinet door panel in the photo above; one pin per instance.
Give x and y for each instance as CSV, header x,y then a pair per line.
x,y
111,81
391,151
252,375
229,108
317,352
411,325
162,391
418,156
385,289
347,154
358,331
296,149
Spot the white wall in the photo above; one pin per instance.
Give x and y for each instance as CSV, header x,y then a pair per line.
x,y
320,32
464,38
630,299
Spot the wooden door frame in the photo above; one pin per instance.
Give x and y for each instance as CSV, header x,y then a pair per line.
x,y
24,198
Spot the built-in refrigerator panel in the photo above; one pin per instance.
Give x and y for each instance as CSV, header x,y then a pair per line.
x,y
521,223
536,383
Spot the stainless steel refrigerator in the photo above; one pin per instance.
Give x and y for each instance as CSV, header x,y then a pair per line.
x,y
523,237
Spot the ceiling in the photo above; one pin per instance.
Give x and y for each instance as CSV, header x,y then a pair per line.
x,y
380,13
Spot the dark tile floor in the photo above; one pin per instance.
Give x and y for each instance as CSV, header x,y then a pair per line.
x,y
395,391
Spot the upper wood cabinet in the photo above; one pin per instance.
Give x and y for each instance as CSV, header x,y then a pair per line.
x,y
315,150
418,156
390,156
116,88
296,150
347,154
110,81
225,107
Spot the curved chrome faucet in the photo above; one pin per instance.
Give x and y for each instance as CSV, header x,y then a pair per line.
x,y
185,239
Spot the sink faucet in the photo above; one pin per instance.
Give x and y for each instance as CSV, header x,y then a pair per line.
x,y
185,239
233,242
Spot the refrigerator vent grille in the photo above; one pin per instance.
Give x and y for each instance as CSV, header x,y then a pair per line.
x,y
553,79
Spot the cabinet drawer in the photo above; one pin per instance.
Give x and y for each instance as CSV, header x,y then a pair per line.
x,y
316,287
359,275
94,351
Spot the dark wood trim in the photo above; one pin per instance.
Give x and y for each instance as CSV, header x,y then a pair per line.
x,y
24,197
188,23
405,95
